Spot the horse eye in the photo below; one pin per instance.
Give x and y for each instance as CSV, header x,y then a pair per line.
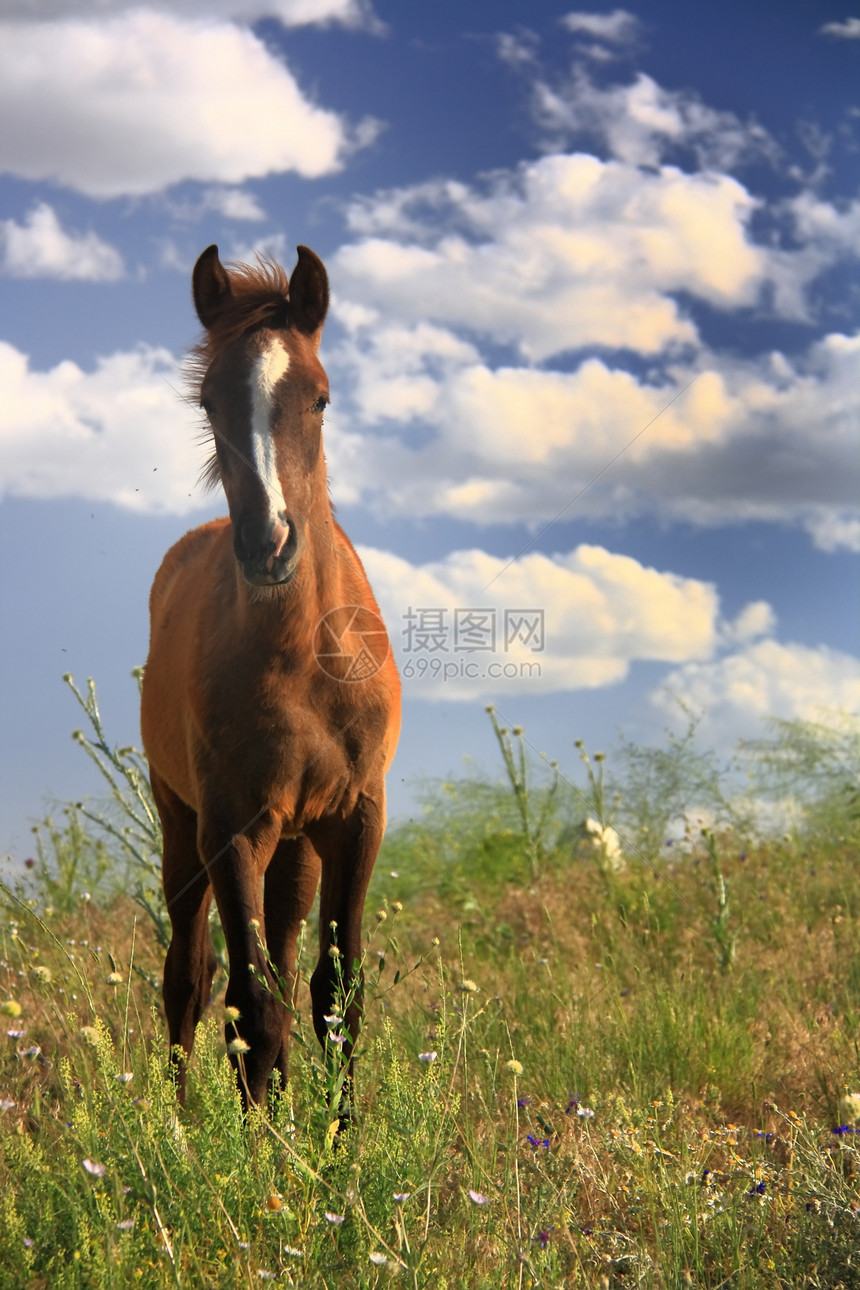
x,y
320,404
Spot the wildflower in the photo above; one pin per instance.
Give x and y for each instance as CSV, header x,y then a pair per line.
x,y
232,1014
340,1040
124,1077
523,1101
377,1259
43,974
11,1008
848,1110
94,1168
381,915
274,1203
89,1034
265,1275
125,1225
334,1219
30,1052
292,1251
86,897
515,1067
394,874
543,1237
115,978
401,1196
585,1112
28,1242
397,906
16,1034
478,1198
237,1046
427,1057
6,1103
332,1019
333,952
573,1103
537,1142
468,986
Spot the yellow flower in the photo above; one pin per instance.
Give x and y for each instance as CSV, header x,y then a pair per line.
x,y
515,1067
11,1008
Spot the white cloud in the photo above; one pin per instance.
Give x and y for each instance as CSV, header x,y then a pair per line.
x,y
736,692
41,248
834,531
232,203
601,611
120,433
142,100
644,124
618,27
847,30
763,439
292,13
570,251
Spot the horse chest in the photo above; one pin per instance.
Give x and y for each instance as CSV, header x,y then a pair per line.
x,y
299,750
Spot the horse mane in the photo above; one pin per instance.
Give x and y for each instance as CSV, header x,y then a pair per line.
x,y
261,298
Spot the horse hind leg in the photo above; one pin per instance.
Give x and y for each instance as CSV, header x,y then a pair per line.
x,y
290,887
190,963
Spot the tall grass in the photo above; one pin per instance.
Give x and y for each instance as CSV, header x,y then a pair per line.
x,y
571,1073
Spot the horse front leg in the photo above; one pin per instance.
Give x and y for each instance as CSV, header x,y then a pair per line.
x,y
347,848
290,887
236,862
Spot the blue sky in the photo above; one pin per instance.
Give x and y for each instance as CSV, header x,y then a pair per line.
x,y
593,349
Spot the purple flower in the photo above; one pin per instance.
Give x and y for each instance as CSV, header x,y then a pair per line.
x,y
537,1142
543,1236
524,1101
478,1198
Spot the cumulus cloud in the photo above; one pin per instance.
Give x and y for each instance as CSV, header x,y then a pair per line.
x,y
718,441
473,624
567,252
645,124
41,248
136,102
119,433
735,692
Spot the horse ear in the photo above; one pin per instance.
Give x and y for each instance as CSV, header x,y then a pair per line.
x,y
210,286
308,292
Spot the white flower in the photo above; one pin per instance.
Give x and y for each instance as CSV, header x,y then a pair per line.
x,y
427,1057
336,1219
94,1168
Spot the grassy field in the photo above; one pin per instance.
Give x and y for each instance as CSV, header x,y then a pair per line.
x,y
582,1065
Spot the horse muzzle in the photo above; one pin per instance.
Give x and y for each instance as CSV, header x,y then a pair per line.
x,y
268,558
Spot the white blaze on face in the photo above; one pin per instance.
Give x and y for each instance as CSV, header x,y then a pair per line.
x,y
265,374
